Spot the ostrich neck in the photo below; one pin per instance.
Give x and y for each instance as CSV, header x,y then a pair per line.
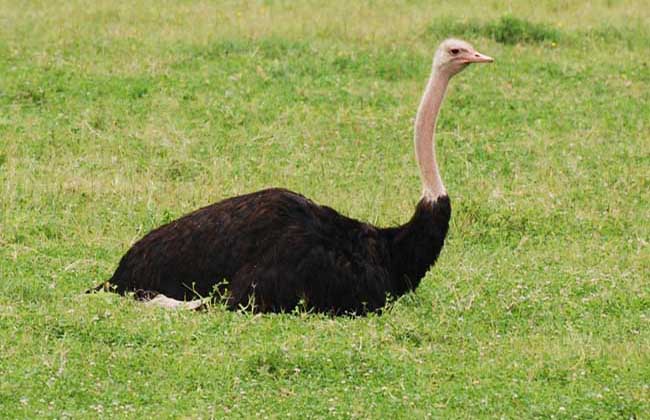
x,y
425,127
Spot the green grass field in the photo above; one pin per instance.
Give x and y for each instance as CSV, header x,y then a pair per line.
x,y
116,118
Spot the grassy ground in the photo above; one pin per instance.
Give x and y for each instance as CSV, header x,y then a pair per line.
x,y
115,118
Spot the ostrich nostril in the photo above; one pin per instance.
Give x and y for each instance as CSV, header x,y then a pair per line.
x,y
476,55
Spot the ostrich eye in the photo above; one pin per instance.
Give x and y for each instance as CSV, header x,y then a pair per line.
x,y
454,51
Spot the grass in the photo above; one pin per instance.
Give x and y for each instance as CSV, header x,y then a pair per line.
x,y
115,118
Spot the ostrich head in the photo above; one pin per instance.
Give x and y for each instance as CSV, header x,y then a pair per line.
x,y
453,55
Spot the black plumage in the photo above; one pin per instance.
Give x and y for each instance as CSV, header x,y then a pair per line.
x,y
275,249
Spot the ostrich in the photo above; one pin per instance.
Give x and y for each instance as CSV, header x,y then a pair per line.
x,y
274,249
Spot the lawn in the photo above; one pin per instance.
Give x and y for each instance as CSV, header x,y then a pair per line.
x,y
116,118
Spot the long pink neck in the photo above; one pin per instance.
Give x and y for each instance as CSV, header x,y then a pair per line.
x,y
425,127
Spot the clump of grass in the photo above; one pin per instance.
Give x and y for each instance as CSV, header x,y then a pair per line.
x,y
513,30
448,26
507,30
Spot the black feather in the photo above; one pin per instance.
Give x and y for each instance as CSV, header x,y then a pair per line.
x,y
277,249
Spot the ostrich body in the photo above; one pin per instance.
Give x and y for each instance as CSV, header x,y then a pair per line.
x,y
275,249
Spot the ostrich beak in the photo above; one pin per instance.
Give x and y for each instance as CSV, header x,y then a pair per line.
x,y
477,57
